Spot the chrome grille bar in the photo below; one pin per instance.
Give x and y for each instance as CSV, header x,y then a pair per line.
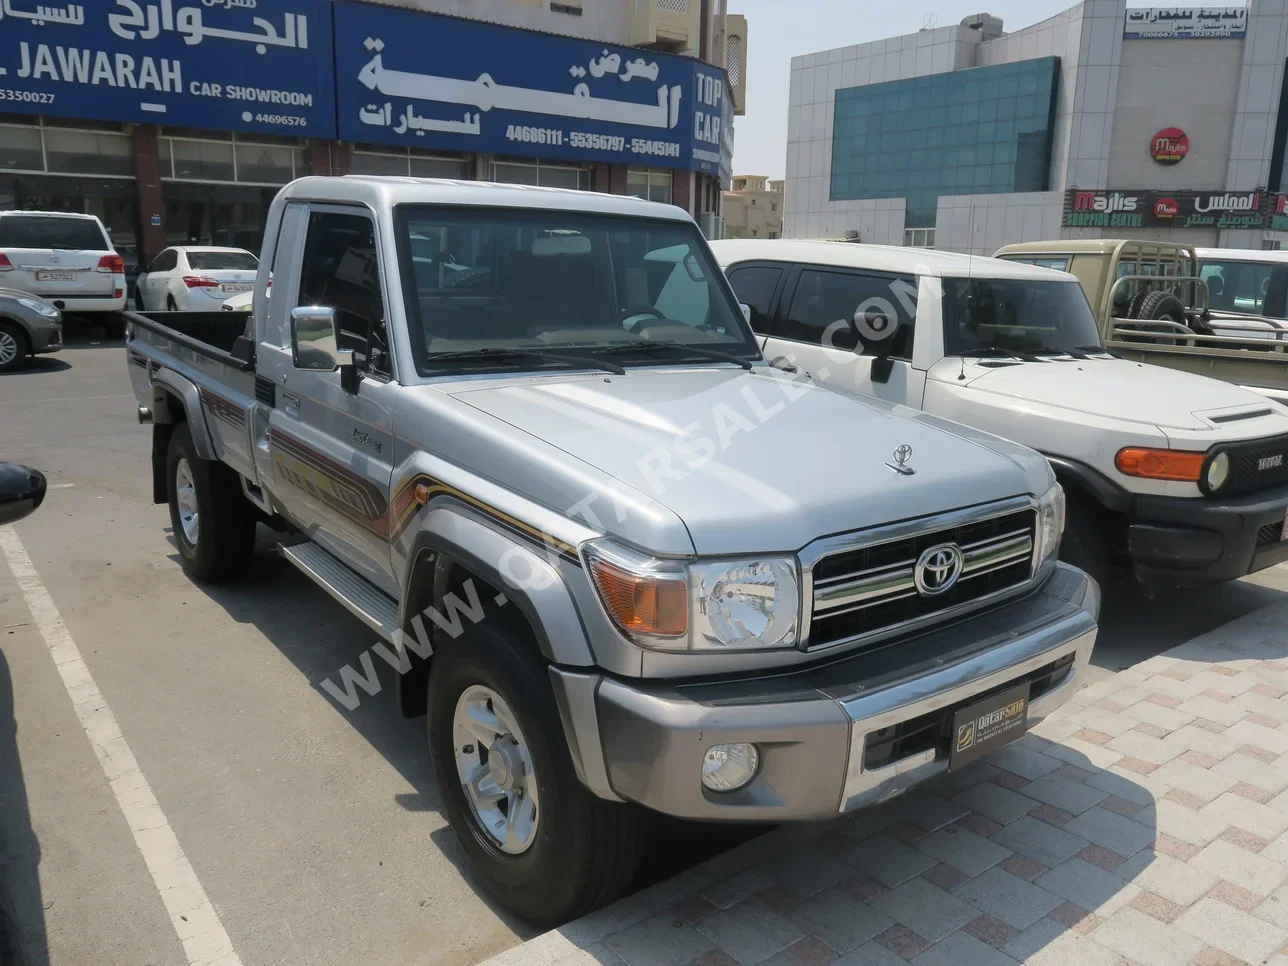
x,y
877,586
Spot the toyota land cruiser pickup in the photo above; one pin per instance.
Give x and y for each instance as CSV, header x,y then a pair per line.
x,y
1173,477
527,437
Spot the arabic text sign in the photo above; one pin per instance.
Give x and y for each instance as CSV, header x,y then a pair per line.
x,y
1164,209
1182,23
244,65
428,81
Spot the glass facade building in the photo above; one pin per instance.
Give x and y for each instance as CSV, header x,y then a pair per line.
x,y
987,130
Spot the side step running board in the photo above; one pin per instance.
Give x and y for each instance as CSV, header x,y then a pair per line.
x,y
363,599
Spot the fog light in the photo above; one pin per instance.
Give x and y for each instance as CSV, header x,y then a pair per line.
x,y
726,768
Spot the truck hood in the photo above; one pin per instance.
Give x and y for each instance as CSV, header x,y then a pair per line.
x,y
754,461
1122,390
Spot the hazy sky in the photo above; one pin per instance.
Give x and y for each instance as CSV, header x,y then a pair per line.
x,y
779,30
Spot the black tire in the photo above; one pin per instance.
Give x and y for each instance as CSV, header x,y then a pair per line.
x,y
586,850
14,340
170,304
225,525
1163,306
138,299
1085,545
114,327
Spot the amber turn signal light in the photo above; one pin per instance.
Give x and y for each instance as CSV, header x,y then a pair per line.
x,y
641,604
1161,464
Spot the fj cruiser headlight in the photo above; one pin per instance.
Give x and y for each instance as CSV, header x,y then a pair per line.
x,y
708,605
1050,524
1217,473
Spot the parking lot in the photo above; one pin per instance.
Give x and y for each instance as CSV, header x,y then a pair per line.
x,y
315,832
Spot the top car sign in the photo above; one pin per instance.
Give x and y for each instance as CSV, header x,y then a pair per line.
x,y
221,64
1185,23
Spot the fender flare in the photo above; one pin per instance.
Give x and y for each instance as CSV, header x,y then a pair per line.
x,y
454,534
1098,486
186,390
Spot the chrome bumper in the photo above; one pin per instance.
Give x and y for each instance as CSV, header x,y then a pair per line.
x,y
812,727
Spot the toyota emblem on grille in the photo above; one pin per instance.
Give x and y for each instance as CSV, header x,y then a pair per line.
x,y
938,570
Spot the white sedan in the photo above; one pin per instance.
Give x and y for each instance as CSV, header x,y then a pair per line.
x,y
195,277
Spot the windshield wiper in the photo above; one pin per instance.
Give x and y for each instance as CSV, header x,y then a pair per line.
x,y
581,362
1074,353
654,346
993,352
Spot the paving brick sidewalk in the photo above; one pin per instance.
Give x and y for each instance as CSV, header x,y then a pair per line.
x,y
1146,823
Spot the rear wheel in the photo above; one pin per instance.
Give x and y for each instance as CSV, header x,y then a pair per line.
x,y
214,525
13,346
170,304
114,327
541,843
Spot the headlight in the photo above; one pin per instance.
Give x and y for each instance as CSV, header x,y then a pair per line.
x,y
1217,473
1050,524
40,308
708,605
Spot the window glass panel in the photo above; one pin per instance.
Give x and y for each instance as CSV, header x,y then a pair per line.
x,y
514,173
637,183
202,160
29,231
755,285
265,163
80,152
1237,286
825,304
20,148
453,168
223,261
379,164
340,269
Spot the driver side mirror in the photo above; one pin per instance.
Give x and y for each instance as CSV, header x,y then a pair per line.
x,y
315,343
22,490
746,311
876,332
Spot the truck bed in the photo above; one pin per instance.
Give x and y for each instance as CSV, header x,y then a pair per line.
x,y
215,334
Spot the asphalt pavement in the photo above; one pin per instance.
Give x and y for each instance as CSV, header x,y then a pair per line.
x,y
314,831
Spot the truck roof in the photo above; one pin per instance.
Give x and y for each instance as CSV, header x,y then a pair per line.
x,y
1078,246
886,258
1243,255
373,190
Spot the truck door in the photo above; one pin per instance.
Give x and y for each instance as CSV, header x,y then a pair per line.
x,y
332,444
818,322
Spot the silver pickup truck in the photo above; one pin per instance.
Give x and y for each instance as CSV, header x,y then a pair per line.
x,y
623,564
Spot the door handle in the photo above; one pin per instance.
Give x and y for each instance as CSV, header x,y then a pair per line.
x,y
291,403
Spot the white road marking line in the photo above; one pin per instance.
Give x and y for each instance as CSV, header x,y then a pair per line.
x,y
60,486
194,919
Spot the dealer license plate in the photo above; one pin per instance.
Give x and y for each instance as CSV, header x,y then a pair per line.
x,y
55,276
987,725
236,289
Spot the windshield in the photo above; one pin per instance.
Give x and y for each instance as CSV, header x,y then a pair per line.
x,y
1016,315
568,282
225,261
24,231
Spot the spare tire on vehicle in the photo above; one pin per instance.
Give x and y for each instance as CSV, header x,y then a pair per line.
x,y
1163,306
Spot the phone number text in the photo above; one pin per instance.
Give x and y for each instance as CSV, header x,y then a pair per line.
x,y
30,97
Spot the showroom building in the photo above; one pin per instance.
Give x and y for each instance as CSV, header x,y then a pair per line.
x,y
177,121
1102,121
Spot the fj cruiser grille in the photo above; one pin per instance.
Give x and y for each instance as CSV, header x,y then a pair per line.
x,y
871,589
1257,464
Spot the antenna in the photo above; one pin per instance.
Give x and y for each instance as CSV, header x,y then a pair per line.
x,y
930,21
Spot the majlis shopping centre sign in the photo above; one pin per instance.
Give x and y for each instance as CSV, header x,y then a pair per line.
x,y
1165,209
395,76
243,65
426,81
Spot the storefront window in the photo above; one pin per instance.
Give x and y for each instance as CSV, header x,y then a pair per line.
x,y
115,201
405,162
538,173
205,214
240,159
267,163
200,160
649,184
20,148
64,147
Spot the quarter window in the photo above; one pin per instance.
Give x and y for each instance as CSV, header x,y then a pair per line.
x,y
341,270
825,304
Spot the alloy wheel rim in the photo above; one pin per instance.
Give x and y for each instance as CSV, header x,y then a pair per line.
x,y
8,348
494,765
186,497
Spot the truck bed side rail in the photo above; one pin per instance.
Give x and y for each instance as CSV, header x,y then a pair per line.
x,y
205,333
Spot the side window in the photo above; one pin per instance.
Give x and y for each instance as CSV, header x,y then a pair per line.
x,y
755,285
340,269
167,261
825,303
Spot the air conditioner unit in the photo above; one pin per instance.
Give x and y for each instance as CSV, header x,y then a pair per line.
x,y
672,25
712,225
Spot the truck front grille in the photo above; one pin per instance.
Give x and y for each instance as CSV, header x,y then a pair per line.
x,y
870,589
1257,464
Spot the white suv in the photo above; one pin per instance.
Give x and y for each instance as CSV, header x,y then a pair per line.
x,y
66,259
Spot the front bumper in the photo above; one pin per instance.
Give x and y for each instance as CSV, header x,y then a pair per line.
x,y
835,737
1184,542
45,337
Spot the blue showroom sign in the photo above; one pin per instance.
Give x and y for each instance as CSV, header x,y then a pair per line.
x,y
241,65
430,81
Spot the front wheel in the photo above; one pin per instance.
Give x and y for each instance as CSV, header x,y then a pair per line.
x,y
540,842
13,346
1085,544
214,525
